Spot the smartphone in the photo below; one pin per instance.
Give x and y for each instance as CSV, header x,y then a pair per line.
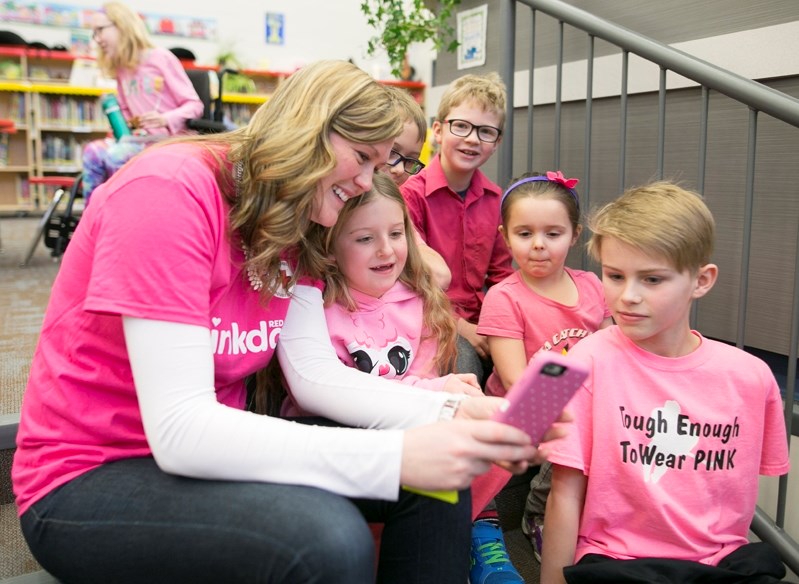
x,y
540,394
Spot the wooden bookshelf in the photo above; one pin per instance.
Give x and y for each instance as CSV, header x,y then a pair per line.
x,y
54,119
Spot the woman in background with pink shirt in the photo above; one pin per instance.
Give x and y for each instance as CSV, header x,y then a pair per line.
x,y
155,95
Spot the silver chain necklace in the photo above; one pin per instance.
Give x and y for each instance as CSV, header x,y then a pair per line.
x,y
255,279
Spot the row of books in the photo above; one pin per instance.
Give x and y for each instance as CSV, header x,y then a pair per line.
x,y
62,151
12,106
71,111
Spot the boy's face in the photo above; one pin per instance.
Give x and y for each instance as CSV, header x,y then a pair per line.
x,y
464,155
409,145
650,300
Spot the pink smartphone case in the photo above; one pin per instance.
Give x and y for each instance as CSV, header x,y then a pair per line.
x,y
537,399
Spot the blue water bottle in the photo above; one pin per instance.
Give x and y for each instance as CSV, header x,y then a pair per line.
x,y
115,117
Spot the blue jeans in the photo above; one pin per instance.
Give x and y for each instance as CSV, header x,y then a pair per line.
x,y
469,361
128,521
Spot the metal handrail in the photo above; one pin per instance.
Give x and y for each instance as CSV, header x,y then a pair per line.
x,y
751,93
765,528
756,96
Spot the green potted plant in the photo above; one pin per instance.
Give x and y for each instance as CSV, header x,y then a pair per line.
x,y
233,82
399,23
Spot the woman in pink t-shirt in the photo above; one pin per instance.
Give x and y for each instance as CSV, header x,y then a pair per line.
x,y
136,461
155,95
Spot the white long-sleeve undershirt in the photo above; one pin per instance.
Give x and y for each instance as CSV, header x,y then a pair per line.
x,y
190,433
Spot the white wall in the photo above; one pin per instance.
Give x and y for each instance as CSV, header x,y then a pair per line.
x,y
313,30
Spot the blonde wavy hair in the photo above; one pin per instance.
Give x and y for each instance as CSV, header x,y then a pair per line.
x,y
660,219
133,39
285,151
438,321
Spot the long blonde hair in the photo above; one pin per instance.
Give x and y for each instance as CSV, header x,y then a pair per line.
x,y
285,151
133,40
437,314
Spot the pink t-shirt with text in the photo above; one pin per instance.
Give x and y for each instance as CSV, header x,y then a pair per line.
x,y
513,310
672,448
154,244
159,83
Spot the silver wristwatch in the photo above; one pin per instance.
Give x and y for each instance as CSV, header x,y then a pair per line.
x,y
449,408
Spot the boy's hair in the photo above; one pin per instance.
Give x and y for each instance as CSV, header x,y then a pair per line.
x,y
660,219
437,313
410,111
540,189
487,91
133,39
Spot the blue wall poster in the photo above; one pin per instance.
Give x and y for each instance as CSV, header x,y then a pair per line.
x,y
275,28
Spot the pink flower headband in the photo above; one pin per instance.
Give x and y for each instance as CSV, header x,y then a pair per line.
x,y
549,176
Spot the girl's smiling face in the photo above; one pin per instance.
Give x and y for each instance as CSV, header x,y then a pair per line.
x,y
356,164
371,248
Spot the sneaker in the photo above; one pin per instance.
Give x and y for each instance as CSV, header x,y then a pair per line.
x,y
535,533
490,561
537,539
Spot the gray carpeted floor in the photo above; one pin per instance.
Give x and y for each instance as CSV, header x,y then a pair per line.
x,y
23,297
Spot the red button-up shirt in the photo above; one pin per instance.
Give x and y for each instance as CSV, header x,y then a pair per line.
x,y
463,230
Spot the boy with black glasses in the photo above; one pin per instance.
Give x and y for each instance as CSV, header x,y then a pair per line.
x,y
455,209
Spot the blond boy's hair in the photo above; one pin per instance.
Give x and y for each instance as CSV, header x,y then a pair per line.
x,y
488,91
660,219
410,111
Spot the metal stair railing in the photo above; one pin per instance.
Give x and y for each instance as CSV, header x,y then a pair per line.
x,y
756,96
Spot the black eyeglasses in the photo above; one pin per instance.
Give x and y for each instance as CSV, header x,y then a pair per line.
x,y
410,165
462,129
98,30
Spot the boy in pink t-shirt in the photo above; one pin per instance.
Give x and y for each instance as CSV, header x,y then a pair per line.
x,y
672,429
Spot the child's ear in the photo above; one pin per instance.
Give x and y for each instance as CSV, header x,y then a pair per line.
x,y
705,279
437,129
501,229
577,232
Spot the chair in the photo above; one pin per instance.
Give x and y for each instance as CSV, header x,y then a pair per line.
x,y
56,229
213,114
212,120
